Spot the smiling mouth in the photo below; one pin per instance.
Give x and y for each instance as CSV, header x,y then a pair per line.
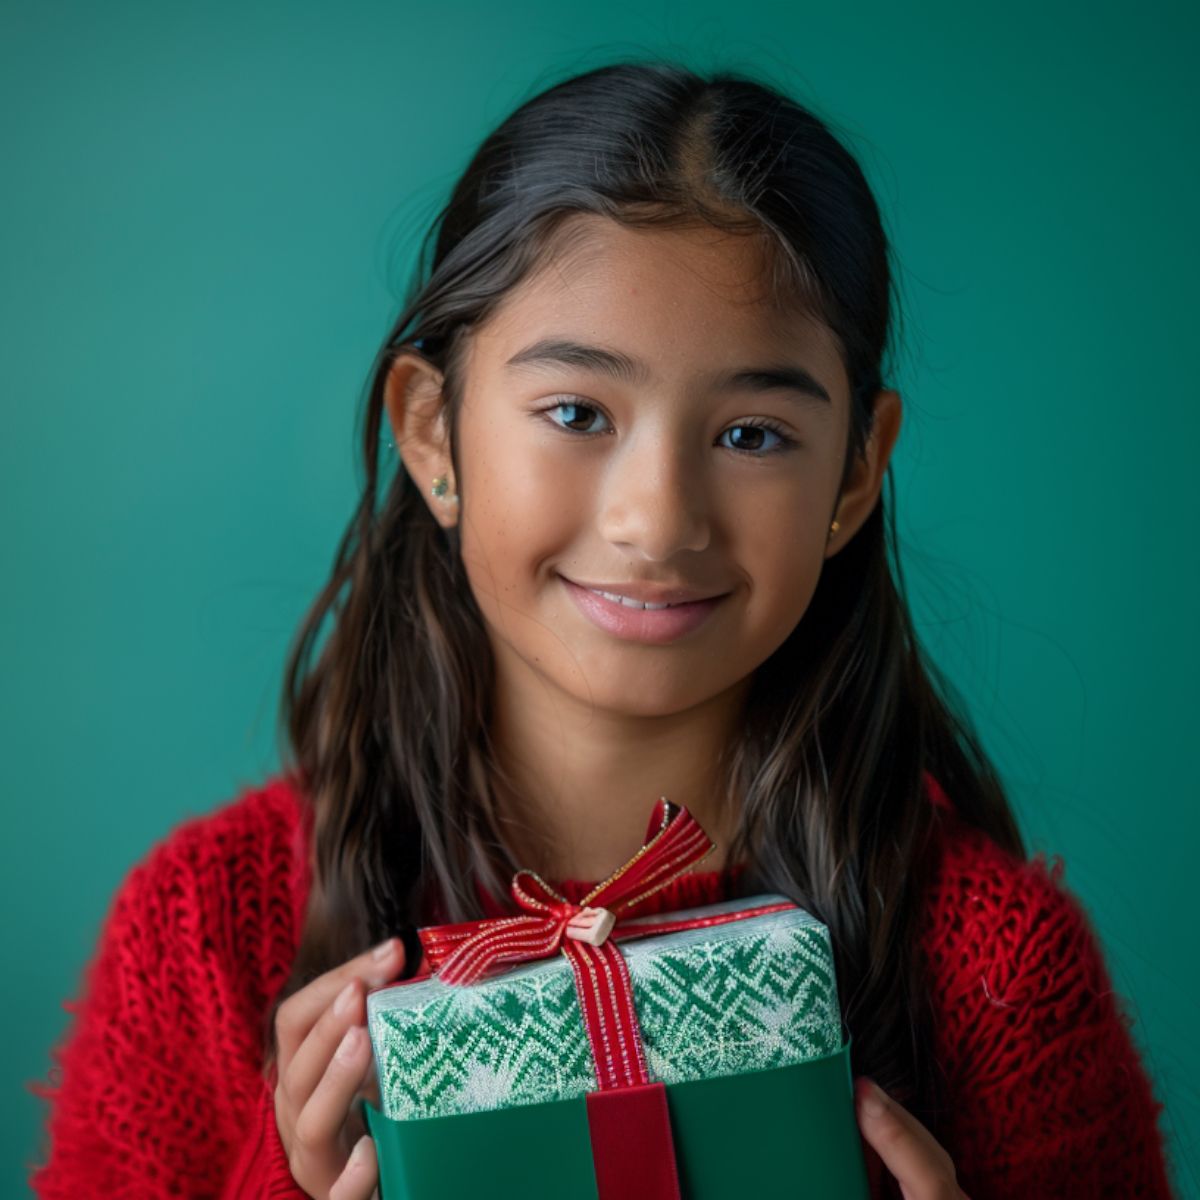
x,y
641,620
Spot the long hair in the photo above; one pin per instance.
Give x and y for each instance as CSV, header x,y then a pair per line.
x,y
387,730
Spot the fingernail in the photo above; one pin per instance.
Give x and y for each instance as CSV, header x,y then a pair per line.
x,y
383,950
341,1005
348,1046
872,1098
358,1156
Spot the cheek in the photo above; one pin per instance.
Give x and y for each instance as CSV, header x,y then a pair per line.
x,y
779,545
784,508
520,508
783,548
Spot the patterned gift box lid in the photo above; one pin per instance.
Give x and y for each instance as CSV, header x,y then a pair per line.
x,y
745,995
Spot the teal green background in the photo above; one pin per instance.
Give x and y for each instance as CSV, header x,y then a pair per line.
x,y
207,217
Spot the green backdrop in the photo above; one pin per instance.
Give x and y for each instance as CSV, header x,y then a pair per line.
x,y
208,213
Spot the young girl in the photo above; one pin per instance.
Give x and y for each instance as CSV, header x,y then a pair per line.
x,y
632,433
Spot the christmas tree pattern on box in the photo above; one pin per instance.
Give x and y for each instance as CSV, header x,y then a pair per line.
x,y
742,996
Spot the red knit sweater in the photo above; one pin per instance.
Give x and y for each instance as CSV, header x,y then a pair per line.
x,y
159,1091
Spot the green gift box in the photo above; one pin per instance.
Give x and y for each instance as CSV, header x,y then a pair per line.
x,y
484,1088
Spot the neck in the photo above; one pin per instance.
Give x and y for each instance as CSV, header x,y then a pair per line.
x,y
577,785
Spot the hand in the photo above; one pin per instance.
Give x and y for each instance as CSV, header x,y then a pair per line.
x,y
324,1065
908,1150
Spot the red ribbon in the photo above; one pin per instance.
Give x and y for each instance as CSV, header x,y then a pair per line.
x,y
631,1134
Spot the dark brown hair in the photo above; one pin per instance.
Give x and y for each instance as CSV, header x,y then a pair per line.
x,y
388,730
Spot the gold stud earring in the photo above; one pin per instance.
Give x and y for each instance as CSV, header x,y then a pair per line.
x,y
834,528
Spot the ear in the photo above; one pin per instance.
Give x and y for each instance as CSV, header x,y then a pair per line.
x,y
861,492
413,400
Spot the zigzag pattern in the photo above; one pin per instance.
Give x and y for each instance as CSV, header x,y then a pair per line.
x,y
743,996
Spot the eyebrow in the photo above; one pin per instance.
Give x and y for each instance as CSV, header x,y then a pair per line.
x,y
562,352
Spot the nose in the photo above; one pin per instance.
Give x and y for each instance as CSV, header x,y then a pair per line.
x,y
654,501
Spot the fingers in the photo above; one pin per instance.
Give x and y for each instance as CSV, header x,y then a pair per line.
x,y
324,1059
308,1064
300,1012
323,1115
909,1151
361,1177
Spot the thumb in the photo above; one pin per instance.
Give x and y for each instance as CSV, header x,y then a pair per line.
x,y
360,1179
874,1163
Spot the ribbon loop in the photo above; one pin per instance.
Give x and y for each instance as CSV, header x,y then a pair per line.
x,y
464,953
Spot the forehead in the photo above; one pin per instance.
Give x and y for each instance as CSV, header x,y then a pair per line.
x,y
699,295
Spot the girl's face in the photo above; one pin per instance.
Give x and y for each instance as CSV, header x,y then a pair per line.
x,y
637,416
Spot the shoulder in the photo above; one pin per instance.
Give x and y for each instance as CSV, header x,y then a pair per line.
x,y
259,829
1044,1075
1017,973
226,887
987,908
1007,924
196,941
269,809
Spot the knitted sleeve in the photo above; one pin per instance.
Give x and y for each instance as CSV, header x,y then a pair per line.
x,y
1050,1096
147,1096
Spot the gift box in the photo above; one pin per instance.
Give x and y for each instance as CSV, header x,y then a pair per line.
x,y
595,1054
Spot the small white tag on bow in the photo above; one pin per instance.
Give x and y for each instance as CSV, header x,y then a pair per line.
x,y
591,925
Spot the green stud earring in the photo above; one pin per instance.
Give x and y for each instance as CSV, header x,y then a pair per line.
x,y
441,485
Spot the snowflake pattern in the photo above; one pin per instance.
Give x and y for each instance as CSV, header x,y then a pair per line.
x,y
748,995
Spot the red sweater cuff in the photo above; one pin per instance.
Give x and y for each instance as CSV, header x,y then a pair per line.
x,y
261,1171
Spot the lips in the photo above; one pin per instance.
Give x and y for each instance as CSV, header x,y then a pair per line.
x,y
653,625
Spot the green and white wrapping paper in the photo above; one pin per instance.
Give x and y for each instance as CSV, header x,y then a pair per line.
x,y
742,996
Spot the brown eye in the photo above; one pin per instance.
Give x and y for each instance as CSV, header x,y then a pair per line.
x,y
754,438
574,415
